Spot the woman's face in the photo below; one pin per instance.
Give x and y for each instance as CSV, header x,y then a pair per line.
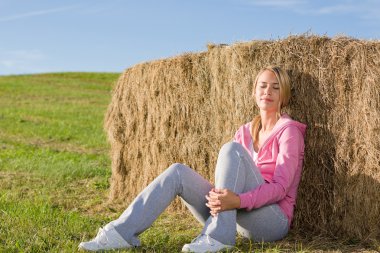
x,y
267,92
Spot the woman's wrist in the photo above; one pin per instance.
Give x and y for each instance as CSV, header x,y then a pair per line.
x,y
237,202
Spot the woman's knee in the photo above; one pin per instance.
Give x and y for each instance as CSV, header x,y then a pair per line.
x,y
231,148
177,168
173,173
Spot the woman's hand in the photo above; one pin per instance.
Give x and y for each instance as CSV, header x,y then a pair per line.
x,y
220,200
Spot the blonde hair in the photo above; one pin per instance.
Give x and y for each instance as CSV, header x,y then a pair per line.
x,y
284,83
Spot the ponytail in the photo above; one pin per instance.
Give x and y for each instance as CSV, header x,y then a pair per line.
x,y
256,126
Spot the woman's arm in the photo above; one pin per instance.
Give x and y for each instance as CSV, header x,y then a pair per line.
x,y
291,147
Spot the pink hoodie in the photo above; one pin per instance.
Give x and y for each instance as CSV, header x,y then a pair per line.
x,y
280,162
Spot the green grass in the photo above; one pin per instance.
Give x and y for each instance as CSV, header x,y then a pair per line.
x,y
55,170
60,108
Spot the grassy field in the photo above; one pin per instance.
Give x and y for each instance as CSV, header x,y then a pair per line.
x,y
54,172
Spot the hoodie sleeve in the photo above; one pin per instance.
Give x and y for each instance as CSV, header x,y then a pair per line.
x,y
238,135
291,147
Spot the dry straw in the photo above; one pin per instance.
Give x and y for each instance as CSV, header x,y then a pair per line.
x,y
183,109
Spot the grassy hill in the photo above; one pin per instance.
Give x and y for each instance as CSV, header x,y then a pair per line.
x,y
54,171
53,159
54,164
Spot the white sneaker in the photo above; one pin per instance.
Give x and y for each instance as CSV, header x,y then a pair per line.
x,y
204,243
107,238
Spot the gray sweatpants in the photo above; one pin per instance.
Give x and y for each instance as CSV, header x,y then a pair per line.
x,y
236,171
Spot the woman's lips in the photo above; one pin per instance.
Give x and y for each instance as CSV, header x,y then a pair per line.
x,y
267,99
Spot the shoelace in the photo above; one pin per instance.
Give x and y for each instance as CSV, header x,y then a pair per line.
x,y
200,238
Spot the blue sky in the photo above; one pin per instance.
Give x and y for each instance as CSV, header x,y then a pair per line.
x,y
39,36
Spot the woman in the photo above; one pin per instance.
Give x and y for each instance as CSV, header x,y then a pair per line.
x,y
256,181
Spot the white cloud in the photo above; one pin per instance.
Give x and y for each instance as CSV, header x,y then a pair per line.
x,y
365,10
335,9
7,63
36,13
371,11
102,7
277,3
21,61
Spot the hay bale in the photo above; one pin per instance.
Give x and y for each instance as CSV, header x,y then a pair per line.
x,y
183,109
